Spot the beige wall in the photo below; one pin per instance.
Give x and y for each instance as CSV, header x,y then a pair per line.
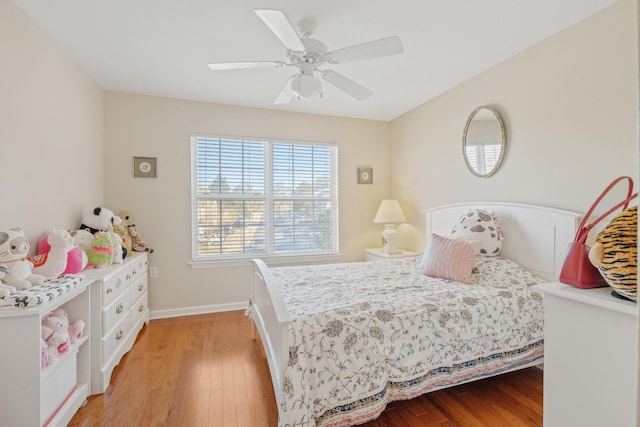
x,y
138,125
50,131
570,106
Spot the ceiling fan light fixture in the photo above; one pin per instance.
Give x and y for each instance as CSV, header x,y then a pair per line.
x,y
306,86
308,55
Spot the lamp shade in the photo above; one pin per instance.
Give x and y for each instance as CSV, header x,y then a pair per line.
x,y
306,86
389,212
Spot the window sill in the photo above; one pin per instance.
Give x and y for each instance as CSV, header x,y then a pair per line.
x,y
269,260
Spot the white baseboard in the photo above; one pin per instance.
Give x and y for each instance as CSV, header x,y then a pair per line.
x,y
202,309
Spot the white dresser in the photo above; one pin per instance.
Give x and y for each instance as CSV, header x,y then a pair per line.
x,y
119,310
590,357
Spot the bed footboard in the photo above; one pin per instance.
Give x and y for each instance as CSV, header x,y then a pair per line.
x,y
269,314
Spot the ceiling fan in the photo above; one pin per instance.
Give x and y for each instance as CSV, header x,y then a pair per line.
x,y
308,54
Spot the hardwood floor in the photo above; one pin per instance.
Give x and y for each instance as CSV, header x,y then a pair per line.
x,y
206,370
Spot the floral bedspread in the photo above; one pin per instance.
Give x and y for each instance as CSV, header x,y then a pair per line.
x,y
364,334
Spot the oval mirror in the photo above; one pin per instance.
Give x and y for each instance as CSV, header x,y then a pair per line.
x,y
484,141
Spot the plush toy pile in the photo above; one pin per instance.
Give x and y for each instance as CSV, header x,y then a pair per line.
x,y
102,239
57,335
615,254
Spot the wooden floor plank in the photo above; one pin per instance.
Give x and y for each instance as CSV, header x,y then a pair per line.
x,y
207,371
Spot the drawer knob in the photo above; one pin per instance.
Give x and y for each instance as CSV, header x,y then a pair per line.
x,y
140,287
109,290
119,308
140,308
119,335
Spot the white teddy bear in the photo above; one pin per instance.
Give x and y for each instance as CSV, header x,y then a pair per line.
x,y
14,248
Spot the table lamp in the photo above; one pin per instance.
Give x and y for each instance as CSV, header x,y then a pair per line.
x,y
389,213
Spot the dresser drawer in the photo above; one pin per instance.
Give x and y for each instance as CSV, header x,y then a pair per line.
x,y
115,285
138,307
138,288
112,340
139,267
115,311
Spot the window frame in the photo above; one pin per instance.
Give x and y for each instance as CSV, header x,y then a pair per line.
x,y
205,261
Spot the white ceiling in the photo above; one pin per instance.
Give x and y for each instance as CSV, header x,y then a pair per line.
x,y
162,47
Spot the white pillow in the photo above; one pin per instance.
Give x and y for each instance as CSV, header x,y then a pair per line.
x,y
480,225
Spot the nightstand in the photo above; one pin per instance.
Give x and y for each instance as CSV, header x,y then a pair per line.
x,y
376,254
589,331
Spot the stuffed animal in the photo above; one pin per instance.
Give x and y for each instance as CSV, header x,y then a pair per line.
x,y
76,257
5,290
138,244
99,219
83,238
45,331
101,252
54,262
14,248
58,314
615,254
59,341
119,252
125,216
121,230
76,330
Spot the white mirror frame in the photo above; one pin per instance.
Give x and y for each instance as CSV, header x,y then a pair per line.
x,y
503,141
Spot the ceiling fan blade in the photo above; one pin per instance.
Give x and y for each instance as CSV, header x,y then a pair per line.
x,y
373,49
286,93
346,85
282,28
219,66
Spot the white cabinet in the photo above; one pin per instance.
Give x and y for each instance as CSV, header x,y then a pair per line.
x,y
591,357
32,396
112,301
376,254
119,310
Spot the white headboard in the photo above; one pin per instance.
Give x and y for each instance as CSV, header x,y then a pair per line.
x,y
535,237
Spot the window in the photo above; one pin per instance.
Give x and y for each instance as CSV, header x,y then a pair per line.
x,y
263,198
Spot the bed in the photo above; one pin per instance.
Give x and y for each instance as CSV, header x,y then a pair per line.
x,y
343,340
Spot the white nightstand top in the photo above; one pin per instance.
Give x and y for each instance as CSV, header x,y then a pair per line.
x,y
599,297
376,253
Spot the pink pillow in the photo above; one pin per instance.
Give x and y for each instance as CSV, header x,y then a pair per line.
x,y
449,259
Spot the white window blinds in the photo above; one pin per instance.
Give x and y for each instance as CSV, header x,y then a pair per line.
x,y
263,198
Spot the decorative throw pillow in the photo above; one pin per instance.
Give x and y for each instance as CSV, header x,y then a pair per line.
x,y
480,225
448,259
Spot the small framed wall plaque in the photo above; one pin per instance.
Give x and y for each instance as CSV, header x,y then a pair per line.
x,y
144,167
365,175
